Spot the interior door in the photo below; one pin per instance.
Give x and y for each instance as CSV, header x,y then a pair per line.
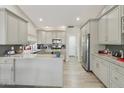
x,y
72,46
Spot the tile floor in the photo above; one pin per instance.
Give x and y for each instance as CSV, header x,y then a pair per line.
x,y
76,77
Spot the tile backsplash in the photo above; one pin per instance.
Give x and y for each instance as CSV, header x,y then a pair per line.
x,y
4,48
115,47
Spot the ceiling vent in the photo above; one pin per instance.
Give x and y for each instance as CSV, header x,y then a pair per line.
x,y
70,26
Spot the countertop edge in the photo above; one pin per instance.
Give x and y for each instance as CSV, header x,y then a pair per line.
x,y
109,58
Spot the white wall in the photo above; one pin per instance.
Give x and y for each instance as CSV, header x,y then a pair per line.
x,y
31,27
73,32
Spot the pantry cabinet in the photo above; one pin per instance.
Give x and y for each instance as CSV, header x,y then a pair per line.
x,y
109,27
6,72
13,29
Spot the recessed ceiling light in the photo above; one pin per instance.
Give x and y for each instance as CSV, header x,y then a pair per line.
x,y
63,26
46,27
77,18
41,19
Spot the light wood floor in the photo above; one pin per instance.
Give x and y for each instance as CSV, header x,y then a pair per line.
x,y
76,77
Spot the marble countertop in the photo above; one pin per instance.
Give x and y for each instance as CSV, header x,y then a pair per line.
x,y
110,58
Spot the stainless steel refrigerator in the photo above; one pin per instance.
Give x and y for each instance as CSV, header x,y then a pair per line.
x,y
86,52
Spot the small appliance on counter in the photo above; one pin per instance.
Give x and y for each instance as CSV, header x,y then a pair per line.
x,y
119,54
11,51
105,51
116,53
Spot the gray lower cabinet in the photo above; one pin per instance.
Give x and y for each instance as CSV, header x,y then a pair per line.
x,y
116,76
111,74
6,72
38,72
101,70
25,72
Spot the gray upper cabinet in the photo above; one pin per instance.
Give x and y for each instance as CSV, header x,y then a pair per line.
x,y
110,27
45,37
114,26
22,34
102,28
13,29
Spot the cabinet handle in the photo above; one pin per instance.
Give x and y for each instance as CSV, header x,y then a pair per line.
x,y
116,78
12,68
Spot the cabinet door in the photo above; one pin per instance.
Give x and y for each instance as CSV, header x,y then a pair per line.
x,y
12,29
102,30
7,73
39,37
114,28
104,66
116,76
101,69
96,66
48,37
54,35
43,37
25,72
61,35
22,31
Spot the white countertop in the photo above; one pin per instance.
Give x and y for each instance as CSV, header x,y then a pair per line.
x,y
30,56
110,58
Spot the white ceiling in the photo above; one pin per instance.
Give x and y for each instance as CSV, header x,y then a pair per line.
x,y
60,15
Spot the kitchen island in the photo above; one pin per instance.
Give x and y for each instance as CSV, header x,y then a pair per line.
x,y
34,70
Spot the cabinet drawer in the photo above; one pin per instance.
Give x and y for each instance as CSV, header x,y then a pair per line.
x,y
117,78
114,85
117,69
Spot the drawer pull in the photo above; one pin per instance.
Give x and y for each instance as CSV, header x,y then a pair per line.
x,y
117,69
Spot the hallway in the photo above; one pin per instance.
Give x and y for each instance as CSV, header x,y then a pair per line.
x,y
76,77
